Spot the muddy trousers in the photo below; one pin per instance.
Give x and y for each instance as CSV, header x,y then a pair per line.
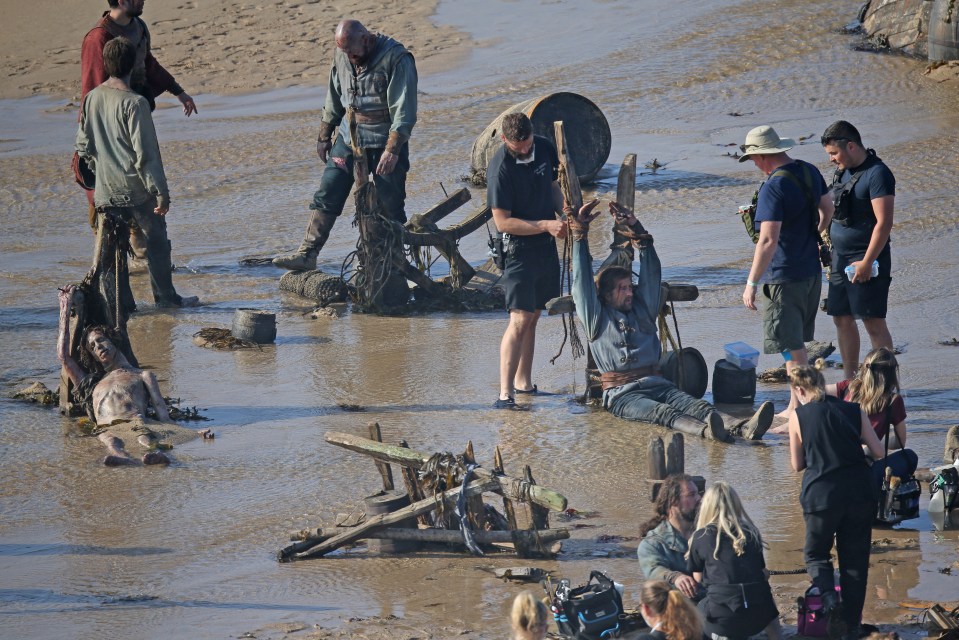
x,y
159,261
851,527
659,401
337,182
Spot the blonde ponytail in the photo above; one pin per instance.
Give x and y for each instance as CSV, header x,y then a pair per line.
x,y
678,618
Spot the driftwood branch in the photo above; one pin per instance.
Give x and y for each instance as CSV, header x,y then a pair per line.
x,y
513,488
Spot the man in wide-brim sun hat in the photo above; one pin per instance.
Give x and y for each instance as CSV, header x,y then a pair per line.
x,y
793,207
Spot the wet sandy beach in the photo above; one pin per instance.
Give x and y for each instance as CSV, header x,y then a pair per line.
x,y
187,552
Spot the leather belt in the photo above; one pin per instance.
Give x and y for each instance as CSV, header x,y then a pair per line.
x,y
372,117
611,379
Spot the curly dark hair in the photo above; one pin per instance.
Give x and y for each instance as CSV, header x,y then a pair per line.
x,y
87,361
670,493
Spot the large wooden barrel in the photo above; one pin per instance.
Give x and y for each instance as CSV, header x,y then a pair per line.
x,y
944,30
254,325
587,131
388,502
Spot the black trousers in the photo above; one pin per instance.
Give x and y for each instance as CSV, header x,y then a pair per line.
x,y
851,527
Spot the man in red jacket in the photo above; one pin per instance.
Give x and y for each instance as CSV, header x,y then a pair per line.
x,y
149,78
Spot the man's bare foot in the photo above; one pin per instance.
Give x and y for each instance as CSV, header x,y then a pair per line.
x,y
783,428
155,457
117,461
786,413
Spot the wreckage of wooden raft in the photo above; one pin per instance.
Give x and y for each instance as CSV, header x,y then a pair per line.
x,y
512,488
449,515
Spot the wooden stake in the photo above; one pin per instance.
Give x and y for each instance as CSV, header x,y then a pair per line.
x,y
413,489
675,455
622,248
655,465
385,472
568,180
477,512
508,507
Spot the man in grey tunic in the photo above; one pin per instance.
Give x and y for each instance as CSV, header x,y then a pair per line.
x,y
117,140
373,80
620,324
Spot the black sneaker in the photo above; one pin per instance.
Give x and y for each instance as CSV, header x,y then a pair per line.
x,y
508,404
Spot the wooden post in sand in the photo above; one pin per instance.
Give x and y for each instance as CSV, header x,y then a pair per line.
x,y
621,249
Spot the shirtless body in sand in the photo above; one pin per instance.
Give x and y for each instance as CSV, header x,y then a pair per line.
x,y
123,394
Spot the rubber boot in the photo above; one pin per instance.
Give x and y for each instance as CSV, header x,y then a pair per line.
x,y
755,427
317,232
713,429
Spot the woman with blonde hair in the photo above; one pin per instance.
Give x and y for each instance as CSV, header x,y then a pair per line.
x,y
876,389
669,614
838,495
529,617
726,557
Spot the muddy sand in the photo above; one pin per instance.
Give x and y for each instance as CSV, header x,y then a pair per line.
x,y
187,551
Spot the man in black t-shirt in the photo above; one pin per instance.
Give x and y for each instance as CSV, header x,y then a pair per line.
x,y
525,198
864,192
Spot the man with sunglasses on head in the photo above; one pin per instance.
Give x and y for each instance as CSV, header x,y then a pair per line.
x,y
792,209
373,81
864,193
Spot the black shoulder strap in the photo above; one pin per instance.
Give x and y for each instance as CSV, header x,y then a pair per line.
x,y
806,185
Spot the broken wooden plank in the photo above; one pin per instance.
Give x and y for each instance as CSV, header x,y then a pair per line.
x,y
440,210
513,488
375,523
446,536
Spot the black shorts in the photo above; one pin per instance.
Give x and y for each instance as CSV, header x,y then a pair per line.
x,y
531,276
859,300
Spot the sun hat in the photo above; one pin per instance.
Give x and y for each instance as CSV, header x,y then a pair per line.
x,y
764,140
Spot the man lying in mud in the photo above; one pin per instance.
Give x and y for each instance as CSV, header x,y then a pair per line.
x,y
620,324
116,394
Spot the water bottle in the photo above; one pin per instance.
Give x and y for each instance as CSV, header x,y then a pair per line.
x,y
851,270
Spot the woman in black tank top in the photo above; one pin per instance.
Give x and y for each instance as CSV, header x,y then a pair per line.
x,y
838,496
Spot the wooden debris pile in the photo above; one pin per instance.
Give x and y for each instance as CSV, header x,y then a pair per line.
x,y
446,506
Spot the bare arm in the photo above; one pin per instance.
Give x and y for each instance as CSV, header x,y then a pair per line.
x,y
869,437
73,369
765,248
506,223
898,441
796,454
159,404
826,209
883,208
